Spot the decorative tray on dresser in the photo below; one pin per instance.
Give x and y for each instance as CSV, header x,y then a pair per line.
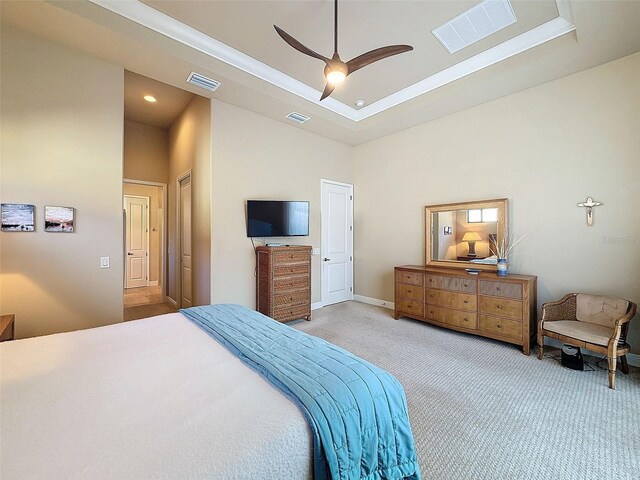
x,y
502,308
283,290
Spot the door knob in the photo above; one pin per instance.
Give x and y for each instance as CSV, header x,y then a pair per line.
x,y
326,259
129,253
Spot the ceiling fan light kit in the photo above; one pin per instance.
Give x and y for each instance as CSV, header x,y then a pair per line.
x,y
335,70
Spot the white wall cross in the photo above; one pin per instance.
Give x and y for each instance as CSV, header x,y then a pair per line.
x,y
589,204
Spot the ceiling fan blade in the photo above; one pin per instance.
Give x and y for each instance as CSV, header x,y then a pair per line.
x,y
298,46
374,55
328,89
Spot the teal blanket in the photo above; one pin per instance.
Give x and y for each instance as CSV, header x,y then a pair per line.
x,y
357,411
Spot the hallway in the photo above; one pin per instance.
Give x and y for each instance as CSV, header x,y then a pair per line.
x,y
144,302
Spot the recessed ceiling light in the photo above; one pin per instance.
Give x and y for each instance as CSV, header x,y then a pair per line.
x,y
150,99
360,103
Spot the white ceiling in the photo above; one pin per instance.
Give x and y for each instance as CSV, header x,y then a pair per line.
x,y
234,42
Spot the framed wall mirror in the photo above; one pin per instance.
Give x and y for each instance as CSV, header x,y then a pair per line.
x,y
462,235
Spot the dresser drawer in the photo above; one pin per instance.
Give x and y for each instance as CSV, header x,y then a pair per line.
x,y
295,297
436,314
501,289
291,313
410,278
456,284
457,301
293,269
461,319
291,283
410,307
296,256
501,307
501,326
410,292
433,281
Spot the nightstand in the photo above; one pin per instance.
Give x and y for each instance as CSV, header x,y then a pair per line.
x,y
6,327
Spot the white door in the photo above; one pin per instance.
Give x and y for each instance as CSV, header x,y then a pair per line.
x,y
186,298
136,244
337,242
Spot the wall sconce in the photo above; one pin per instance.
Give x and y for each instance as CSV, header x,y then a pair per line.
x,y
471,238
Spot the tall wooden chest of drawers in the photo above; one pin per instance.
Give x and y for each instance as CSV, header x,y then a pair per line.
x,y
283,283
503,308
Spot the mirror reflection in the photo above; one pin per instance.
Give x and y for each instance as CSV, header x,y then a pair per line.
x,y
465,235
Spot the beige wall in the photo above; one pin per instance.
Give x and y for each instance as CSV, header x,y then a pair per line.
x,y
190,149
146,152
546,149
156,219
62,124
255,157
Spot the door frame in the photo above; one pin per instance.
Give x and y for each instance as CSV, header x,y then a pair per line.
x,y
146,228
324,182
163,233
179,179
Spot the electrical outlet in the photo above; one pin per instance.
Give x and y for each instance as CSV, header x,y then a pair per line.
x,y
316,251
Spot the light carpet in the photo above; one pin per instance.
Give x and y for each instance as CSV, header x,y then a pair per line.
x,y
480,409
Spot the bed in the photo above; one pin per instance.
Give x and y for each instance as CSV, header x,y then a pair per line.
x,y
152,398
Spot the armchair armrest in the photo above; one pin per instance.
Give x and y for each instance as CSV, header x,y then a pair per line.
x,y
563,309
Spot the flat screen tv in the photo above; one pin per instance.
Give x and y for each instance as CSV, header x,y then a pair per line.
x,y
274,218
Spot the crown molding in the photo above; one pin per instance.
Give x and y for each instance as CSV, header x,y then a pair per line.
x,y
167,26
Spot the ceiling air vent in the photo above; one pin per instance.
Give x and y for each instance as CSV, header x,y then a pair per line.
x,y
297,117
203,82
477,23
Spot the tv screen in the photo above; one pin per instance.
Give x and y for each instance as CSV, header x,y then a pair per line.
x,y
272,218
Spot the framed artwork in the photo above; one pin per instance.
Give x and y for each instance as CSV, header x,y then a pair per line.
x,y
18,217
59,219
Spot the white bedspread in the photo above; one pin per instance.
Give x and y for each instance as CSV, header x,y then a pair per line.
x,y
154,398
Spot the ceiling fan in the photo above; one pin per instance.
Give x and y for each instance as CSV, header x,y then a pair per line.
x,y
335,70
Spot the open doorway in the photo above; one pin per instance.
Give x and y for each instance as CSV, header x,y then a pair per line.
x,y
167,135
145,211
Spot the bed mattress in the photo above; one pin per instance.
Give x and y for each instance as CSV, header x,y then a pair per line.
x,y
153,398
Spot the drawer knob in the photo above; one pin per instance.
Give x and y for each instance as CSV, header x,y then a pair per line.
x,y
464,284
500,307
498,288
408,306
408,291
431,312
499,326
466,301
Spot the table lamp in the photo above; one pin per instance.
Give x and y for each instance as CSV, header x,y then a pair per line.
x,y
471,238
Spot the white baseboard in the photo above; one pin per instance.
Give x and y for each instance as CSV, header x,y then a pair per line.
x,y
172,301
153,283
632,358
316,305
374,301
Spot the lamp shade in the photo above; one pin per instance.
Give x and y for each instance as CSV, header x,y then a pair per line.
x,y
471,237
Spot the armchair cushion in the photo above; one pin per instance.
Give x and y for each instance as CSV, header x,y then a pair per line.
x,y
587,332
600,310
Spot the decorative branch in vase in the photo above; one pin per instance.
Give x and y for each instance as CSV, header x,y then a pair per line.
x,y
503,248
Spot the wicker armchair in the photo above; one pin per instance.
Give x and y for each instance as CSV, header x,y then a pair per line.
x,y
595,322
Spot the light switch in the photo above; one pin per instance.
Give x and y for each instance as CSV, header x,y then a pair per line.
x,y
104,262
316,251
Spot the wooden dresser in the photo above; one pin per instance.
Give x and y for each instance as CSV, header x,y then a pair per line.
x,y
503,308
283,289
